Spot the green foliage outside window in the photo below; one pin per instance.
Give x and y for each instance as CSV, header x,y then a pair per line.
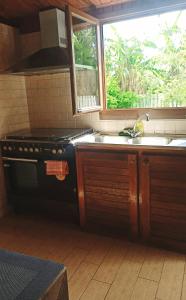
x,y
85,46
134,79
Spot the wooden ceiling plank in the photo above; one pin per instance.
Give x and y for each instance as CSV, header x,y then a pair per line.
x,y
11,9
136,8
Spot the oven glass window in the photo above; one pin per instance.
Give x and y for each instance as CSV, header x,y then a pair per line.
x,y
25,175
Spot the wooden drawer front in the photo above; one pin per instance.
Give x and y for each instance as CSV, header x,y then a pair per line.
x,y
167,197
107,188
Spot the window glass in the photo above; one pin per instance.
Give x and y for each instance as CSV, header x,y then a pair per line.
x,y
86,64
145,61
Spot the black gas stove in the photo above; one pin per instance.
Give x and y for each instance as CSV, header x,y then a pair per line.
x,y
25,154
49,143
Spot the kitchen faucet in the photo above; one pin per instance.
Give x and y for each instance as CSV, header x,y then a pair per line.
x,y
138,127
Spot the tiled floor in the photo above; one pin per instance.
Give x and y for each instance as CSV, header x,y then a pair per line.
x,y
98,267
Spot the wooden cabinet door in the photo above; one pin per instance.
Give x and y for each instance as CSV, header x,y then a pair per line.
x,y
163,199
107,189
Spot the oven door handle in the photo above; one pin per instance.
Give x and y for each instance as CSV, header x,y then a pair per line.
x,y
20,159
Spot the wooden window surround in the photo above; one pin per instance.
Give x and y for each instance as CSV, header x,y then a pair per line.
x,y
86,19
134,113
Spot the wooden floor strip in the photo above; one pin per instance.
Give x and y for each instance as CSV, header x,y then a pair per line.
x,y
153,264
95,291
183,296
144,290
99,250
127,275
170,286
80,280
73,260
99,268
111,263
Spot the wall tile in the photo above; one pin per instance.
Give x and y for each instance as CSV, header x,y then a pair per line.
x,y
13,116
51,94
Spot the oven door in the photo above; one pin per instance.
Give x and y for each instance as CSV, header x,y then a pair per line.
x,y
22,177
29,188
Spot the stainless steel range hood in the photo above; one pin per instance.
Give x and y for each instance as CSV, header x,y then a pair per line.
x,y
53,56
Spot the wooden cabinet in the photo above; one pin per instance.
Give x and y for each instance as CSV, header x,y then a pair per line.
x,y
107,188
163,199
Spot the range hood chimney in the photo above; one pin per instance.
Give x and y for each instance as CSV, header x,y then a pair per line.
x,y
53,28
53,56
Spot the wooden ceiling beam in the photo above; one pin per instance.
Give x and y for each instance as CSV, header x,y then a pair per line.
x,y
11,9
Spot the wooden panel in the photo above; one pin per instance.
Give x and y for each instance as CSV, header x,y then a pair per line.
x,y
17,8
97,176
163,198
105,170
107,210
108,189
9,52
144,197
106,183
136,9
133,193
155,113
107,200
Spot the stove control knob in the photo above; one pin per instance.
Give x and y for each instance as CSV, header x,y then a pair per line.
x,y
26,149
5,148
31,149
36,149
10,148
60,151
20,149
54,151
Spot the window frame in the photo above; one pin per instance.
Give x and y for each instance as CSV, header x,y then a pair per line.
x,y
133,113
70,12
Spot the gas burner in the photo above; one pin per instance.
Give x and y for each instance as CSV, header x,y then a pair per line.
x,y
41,143
48,134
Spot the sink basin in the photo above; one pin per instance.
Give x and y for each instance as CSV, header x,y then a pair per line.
x,y
108,139
179,142
150,140
171,141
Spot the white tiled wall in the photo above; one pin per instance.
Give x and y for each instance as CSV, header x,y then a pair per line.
x,y
49,102
13,104
13,116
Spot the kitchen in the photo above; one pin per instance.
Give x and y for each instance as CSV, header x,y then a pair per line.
x,y
98,266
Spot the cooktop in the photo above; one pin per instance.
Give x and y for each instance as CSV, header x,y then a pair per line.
x,y
48,134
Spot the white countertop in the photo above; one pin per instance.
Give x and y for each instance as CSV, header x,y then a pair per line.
x,y
147,140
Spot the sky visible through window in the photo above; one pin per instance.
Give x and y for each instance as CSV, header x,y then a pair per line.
x,y
147,27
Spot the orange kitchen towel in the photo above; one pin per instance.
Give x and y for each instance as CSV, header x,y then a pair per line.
x,y
58,168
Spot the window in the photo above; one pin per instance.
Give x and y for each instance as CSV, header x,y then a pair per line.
x,y
85,61
145,62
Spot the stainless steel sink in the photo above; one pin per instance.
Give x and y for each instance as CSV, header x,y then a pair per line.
x,y
150,140
178,142
108,138
111,139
